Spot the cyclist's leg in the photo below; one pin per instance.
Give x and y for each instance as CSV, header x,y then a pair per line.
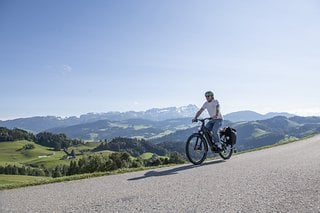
x,y
215,128
209,125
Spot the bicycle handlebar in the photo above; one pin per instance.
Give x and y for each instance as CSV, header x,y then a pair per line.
x,y
203,120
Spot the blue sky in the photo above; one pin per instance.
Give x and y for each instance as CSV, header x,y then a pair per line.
x,y
72,57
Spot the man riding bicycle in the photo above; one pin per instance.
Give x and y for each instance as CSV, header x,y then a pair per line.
x,y
213,108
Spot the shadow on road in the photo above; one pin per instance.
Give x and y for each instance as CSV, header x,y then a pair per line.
x,y
174,171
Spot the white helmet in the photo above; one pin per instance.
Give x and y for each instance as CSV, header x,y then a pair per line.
x,y
208,93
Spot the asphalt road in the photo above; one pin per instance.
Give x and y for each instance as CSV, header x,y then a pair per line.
x,y
280,179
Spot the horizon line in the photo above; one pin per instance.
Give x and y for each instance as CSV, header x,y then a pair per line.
x,y
293,112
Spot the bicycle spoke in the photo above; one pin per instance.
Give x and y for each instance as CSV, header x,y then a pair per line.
x,y
196,150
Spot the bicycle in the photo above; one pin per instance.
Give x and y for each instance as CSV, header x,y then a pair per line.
x,y
197,143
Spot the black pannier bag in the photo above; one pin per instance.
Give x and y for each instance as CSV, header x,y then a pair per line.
x,y
230,134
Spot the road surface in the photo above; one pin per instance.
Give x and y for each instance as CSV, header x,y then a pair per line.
x,y
280,179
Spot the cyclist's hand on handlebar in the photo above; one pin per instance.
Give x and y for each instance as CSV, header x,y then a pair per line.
x,y
194,120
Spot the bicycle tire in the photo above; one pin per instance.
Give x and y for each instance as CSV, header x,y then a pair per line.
x,y
202,141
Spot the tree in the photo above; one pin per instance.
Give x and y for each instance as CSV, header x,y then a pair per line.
x,y
55,141
64,170
57,146
28,146
47,172
22,170
175,157
94,163
121,159
38,172
15,134
73,168
110,165
56,172
138,162
82,164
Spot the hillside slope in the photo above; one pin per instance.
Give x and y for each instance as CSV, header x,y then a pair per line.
x,y
248,115
13,153
139,128
253,134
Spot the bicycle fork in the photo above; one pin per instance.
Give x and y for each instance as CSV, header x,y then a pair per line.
x,y
196,146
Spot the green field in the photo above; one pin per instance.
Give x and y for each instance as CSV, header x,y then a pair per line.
x,y
105,153
88,146
146,155
258,133
12,153
10,181
162,134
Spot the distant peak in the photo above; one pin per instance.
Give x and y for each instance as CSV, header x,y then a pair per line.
x,y
248,115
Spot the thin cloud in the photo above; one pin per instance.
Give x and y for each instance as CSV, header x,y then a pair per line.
x,y
66,69
63,69
314,111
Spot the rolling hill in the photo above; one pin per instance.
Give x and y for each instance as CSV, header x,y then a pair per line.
x,y
251,134
133,128
13,153
135,147
253,116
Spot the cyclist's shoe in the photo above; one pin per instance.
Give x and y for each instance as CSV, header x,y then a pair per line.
x,y
219,146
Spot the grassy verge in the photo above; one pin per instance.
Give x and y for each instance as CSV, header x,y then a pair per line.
x,y
13,181
16,181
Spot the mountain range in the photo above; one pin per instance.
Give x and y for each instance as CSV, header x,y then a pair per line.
x,y
43,123
253,129
174,132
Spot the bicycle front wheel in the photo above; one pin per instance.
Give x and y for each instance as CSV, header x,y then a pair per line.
x,y
196,149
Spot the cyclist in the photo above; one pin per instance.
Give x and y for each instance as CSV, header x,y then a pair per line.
x,y
213,107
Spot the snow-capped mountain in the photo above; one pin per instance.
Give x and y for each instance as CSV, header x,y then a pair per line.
x,y
40,123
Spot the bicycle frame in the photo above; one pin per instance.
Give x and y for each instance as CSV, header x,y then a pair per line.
x,y
206,133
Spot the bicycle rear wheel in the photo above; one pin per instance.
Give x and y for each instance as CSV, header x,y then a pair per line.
x,y
196,149
227,151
